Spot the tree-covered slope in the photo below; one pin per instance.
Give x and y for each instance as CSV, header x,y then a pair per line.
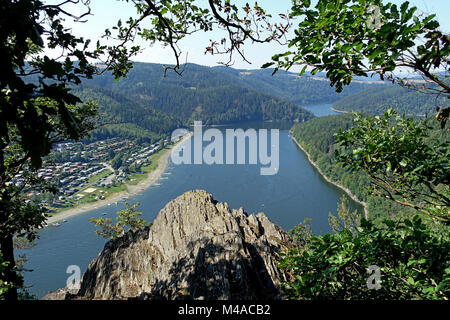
x,y
377,100
120,116
317,138
304,90
201,93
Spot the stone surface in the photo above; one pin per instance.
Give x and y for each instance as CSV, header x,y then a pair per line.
x,y
197,248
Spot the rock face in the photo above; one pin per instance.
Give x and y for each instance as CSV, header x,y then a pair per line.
x,y
197,248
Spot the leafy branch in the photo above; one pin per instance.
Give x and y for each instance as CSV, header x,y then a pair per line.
x,y
127,219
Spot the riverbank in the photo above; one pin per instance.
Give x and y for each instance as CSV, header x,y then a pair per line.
x,y
132,190
346,190
339,111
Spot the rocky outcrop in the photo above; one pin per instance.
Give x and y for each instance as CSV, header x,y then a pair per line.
x,y
197,248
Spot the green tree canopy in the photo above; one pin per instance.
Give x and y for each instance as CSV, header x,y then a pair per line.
x,y
349,38
127,219
412,260
404,165
37,107
34,114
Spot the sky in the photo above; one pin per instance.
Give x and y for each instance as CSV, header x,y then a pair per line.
x,y
105,14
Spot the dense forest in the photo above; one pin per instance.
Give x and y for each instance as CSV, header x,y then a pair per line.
x,y
317,137
377,100
200,93
145,79
150,102
147,104
304,90
123,117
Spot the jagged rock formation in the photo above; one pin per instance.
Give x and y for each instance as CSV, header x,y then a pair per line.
x,y
197,248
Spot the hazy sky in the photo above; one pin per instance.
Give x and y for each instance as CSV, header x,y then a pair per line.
x,y
105,14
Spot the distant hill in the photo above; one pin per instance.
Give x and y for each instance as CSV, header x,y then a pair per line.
x,y
202,93
148,104
377,100
304,90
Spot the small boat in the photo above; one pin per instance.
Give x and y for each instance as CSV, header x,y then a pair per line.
x,y
104,214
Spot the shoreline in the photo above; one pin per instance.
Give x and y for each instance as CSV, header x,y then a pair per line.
x,y
339,111
132,190
346,190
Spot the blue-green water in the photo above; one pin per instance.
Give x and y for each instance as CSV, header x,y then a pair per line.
x,y
321,110
296,192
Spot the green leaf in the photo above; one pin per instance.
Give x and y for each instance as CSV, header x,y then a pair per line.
x,y
267,65
303,70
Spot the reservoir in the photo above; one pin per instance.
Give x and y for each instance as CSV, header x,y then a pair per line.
x,y
296,192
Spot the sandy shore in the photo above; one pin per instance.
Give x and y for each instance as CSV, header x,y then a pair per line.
x,y
346,190
132,190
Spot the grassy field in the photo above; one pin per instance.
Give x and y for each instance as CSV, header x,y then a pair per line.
x,y
135,178
99,176
154,160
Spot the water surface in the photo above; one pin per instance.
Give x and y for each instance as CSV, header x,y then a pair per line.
x,y
295,193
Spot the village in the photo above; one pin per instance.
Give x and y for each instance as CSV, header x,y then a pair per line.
x,y
87,172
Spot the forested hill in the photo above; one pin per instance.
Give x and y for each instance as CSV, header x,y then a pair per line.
x,y
147,104
121,116
317,138
151,103
221,94
377,100
303,90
